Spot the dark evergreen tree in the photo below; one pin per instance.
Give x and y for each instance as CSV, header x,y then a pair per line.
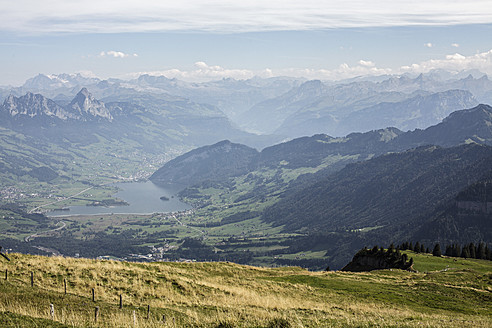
x,y
488,253
465,252
481,254
416,248
437,250
473,253
422,249
456,250
391,248
449,250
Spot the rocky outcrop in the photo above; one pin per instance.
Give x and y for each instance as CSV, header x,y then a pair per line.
x,y
378,259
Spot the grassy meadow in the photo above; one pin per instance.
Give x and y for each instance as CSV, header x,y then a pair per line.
x,y
444,293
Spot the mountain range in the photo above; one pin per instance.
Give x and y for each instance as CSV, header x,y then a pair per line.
x,y
465,126
338,109
381,186
84,107
289,107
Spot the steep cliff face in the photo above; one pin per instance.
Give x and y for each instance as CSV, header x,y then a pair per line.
x,y
31,105
86,106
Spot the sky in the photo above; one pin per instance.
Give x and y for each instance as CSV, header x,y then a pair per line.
x,y
206,40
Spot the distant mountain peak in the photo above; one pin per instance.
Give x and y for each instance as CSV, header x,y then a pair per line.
x,y
87,106
83,107
32,105
54,81
84,92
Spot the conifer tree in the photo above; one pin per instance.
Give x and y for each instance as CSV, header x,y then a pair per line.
x,y
472,251
422,248
391,248
456,250
465,252
481,251
437,250
416,248
488,253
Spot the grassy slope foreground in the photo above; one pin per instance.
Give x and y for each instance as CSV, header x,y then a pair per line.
x,y
445,293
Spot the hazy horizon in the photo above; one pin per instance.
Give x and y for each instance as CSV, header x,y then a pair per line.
x,y
197,41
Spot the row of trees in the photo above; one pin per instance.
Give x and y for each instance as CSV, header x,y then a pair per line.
x,y
479,251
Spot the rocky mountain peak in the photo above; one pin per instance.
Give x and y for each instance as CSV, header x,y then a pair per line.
x,y
85,105
32,105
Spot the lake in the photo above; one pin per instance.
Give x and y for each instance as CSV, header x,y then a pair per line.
x,y
143,197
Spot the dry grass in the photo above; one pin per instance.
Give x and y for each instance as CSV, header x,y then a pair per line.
x,y
210,294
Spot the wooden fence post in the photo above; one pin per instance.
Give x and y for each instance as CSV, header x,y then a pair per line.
x,y
93,295
52,311
121,301
6,273
148,312
96,314
32,279
65,285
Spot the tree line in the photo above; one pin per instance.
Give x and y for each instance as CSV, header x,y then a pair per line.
x,y
471,251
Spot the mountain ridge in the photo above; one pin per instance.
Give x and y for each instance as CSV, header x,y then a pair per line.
x,y
472,125
83,107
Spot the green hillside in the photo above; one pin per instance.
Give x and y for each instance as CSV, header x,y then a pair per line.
x,y
445,292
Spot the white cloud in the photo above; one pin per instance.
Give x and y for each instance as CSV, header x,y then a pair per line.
x,y
205,72
366,63
454,63
115,16
115,54
428,45
455,45
87,73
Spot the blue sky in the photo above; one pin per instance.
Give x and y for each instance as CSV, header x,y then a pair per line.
x,y
202,40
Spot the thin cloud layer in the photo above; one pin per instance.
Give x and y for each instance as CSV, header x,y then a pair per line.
x,y
454,63
111,16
